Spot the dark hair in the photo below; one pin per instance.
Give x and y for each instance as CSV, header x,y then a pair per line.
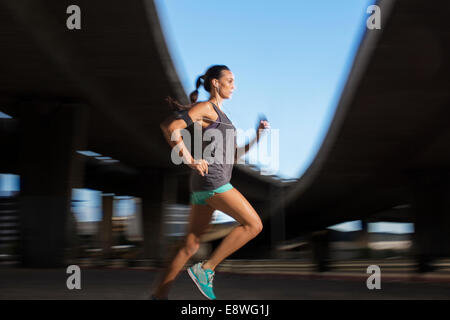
x,y
213,72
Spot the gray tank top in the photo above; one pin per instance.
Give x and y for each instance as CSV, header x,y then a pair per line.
x,y
221,147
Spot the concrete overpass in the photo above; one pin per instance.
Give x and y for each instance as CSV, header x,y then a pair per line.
x,y
388,143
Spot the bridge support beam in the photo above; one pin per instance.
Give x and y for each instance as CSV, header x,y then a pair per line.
x,y
364,239
106,225
431,210
50,133
320,242
159,189
277,218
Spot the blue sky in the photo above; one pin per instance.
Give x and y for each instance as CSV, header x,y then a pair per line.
x,y
290,60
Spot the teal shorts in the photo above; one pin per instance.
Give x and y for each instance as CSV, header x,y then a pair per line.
x,y
199,197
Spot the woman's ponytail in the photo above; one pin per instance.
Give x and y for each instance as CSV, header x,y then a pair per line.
x,y
194,94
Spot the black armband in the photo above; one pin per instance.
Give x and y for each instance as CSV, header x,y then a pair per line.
x,y
183,114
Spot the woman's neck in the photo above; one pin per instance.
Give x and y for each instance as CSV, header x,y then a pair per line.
x,y
217,100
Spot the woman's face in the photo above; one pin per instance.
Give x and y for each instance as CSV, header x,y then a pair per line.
x,y
226,84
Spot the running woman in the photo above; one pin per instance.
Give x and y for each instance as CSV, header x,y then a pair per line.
x,y
210,183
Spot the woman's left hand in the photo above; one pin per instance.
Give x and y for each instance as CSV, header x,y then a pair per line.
x,y
263,124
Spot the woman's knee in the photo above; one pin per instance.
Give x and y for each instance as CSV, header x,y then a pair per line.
x,y
255,227
191,244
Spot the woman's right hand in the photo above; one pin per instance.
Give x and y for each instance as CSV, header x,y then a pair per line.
x,y
200,166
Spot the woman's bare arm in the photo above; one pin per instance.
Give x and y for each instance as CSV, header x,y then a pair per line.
x,y
171,129
240,151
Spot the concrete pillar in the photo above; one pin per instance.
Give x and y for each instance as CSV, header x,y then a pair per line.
x,y
364,239
134,228
431,210
159,189
277,218
106,225
50,133
320,241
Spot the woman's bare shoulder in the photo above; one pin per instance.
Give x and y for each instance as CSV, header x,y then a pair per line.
x,y
202,110
204,105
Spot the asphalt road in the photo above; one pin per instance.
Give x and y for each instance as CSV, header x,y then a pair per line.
x,y
106,284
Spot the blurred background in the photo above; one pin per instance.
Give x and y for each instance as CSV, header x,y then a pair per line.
x,y
357,174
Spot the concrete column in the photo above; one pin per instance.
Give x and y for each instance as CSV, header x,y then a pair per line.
x,y
50,133
277,218
159,189
431,210
134,229
364,239
320,241
106,225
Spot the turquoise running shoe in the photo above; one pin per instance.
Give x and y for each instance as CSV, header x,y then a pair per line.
x,y
203,279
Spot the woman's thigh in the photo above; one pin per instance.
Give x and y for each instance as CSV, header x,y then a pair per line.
x,y
199,219
233,203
